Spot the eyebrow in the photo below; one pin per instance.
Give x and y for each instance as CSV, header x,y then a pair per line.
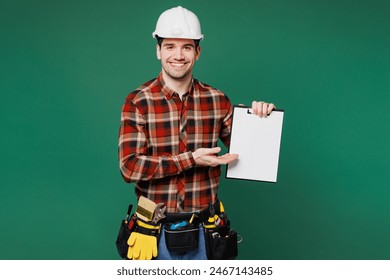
x,y
172,44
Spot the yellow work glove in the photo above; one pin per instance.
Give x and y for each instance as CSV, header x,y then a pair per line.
x,y
142,246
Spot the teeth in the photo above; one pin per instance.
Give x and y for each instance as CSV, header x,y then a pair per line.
x,y
177,64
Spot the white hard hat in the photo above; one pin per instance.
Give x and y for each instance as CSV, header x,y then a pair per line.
x,y
178,22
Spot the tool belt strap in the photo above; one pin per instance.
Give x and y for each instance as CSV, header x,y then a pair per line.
x,y
147,229
202,215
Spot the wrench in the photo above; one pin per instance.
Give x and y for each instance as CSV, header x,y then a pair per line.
x,y
159,213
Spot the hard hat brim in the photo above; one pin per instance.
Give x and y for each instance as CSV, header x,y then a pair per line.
x,y
155,35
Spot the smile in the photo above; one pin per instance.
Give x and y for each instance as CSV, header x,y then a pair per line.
x,y
175,64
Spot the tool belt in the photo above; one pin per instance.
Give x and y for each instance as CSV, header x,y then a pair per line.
x,y
221,241
201,215
181,232
134,224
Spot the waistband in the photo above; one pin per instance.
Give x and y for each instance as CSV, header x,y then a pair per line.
x,y
201,216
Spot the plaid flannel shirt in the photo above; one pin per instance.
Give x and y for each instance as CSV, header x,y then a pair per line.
x,y
158,133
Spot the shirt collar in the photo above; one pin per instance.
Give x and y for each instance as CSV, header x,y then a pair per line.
x,y
168,92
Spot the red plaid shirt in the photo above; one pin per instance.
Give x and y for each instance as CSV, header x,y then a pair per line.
x,y
158,133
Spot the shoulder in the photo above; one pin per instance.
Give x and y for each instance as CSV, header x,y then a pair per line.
x,y
204,90
143,92
203,87
139,99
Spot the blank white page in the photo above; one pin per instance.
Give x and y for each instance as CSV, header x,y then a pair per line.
x,y
257,142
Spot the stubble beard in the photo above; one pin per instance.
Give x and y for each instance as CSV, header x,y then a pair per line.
x,y
177,75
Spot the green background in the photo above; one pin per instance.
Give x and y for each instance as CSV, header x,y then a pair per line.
x,y
66,67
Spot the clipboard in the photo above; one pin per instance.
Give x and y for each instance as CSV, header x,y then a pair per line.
x,y
257,142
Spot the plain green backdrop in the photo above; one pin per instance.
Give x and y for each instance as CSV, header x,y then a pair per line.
x,y
67,66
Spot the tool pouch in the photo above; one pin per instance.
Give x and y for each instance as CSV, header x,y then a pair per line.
x,y
125,230
221,243
133,223
183,239
121,240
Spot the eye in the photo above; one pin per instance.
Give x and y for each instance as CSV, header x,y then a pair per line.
x,y
169,47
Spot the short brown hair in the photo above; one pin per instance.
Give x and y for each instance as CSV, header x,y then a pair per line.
x,y
160,39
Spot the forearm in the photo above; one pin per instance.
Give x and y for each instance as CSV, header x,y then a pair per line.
x,y
138,167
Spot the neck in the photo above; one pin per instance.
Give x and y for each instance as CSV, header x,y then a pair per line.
x,y
181,86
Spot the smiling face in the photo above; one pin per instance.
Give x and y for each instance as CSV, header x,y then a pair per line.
x,y
178,57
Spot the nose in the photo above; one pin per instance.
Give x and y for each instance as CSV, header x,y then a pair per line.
x,y
178,54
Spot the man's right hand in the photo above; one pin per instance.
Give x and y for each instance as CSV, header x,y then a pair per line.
x,y
208,157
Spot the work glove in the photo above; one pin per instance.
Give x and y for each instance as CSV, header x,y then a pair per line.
x,y
143,246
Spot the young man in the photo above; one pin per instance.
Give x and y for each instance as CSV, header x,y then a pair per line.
x,y
169,131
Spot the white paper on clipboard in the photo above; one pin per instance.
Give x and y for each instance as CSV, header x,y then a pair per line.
x,y
257,142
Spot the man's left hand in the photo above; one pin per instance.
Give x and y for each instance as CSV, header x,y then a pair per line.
x,y
262,109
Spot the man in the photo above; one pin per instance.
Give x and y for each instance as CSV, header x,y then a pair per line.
x,y
169,132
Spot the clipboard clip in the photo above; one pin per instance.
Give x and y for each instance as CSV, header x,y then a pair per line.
x,y
249,111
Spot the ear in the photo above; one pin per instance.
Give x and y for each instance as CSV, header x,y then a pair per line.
x,y
197,53
158,52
